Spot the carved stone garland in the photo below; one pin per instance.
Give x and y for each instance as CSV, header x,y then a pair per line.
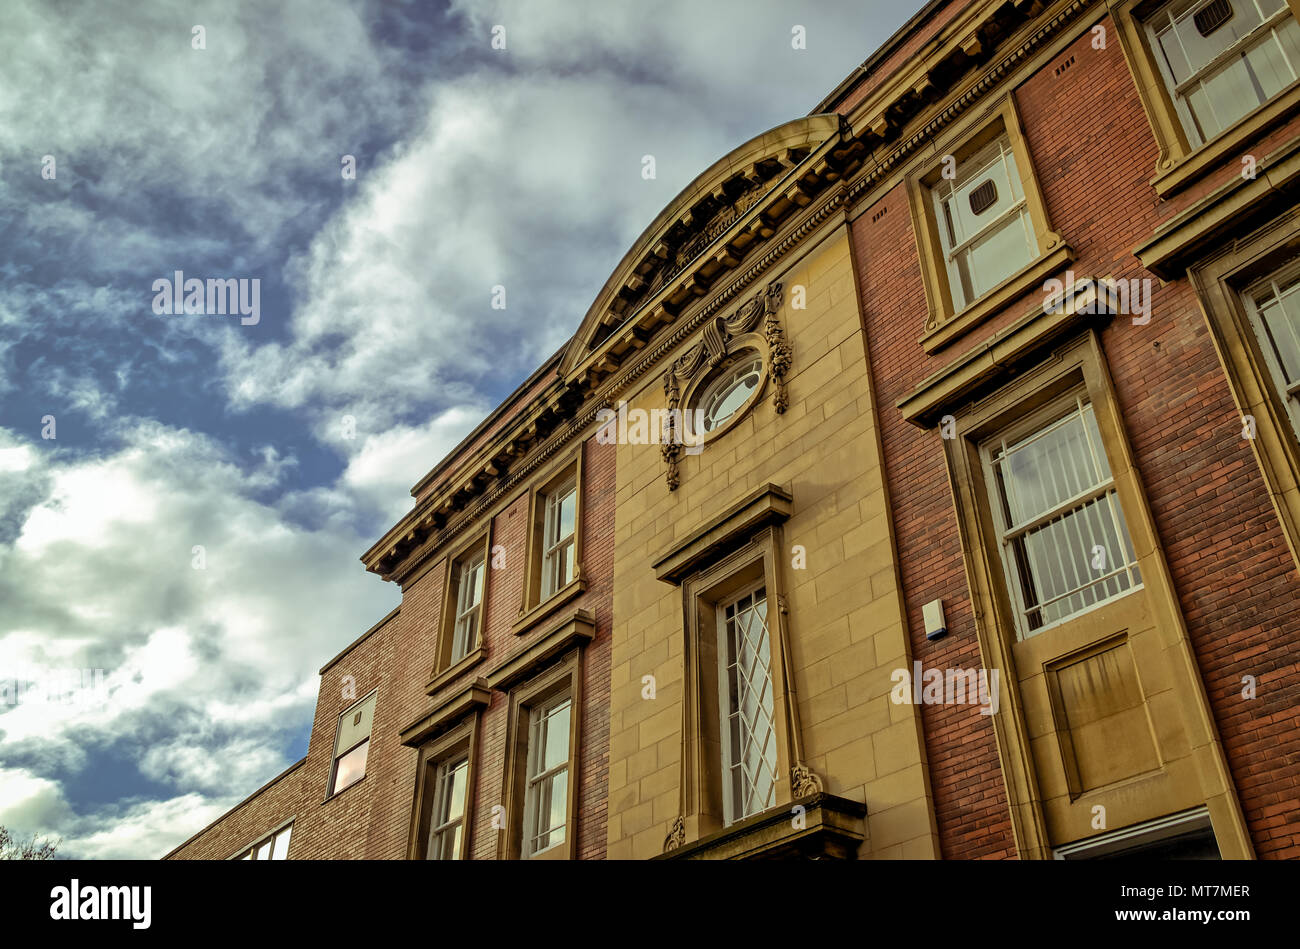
x,y
707,354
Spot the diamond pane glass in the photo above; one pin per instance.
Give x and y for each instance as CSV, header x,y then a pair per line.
x,y
749,730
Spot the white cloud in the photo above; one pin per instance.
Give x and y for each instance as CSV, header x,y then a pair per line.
x,y
143,830
388,464
209,673
29,801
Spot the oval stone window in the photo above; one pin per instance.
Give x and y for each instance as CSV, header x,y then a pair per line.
x,y
726,394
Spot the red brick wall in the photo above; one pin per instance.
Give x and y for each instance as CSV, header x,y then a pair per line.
x,y
1094,154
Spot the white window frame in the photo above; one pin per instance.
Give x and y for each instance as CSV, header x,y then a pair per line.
x,y
553,544
465,631
534,779
339,755
1016,436
733,809
440,826
997,152
1164,20
1287,392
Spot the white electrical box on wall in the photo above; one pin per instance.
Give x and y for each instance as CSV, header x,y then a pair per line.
x,y
935,627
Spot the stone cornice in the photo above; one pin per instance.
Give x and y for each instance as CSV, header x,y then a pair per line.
x,y
770,504
832,827
719,243
835,175
891,147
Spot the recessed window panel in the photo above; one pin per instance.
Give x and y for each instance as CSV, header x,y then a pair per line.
x,y
546,791
1274,307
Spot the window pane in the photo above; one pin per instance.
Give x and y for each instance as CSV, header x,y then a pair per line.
x,y
1056,463
351,768
465,635
1202,49
263,851
1078,553
1282,328
281,848
1256,63
554,737
453,792
354,725
983,249
451,842
1232,94
1175,59
468,599
568,512
1275,316
471,584
1288,35
749,732
444,844
1065,563
998,255
447,823
997,166
1198,102
724,397
1269,65
548,808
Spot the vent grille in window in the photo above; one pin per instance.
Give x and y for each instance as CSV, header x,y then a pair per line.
x,y
983,197
1212,16
356,719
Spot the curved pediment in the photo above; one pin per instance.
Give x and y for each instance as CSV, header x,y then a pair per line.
x,y
710,227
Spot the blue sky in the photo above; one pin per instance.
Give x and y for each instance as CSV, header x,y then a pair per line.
x,y
476,167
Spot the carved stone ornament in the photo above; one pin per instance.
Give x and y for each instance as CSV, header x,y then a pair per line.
x,y
722,220
709,351
672,443
804,782
676,835
779,350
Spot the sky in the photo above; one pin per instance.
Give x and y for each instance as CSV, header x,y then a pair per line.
x,y
184,496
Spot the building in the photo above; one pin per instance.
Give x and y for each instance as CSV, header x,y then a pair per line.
x,y
923,483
